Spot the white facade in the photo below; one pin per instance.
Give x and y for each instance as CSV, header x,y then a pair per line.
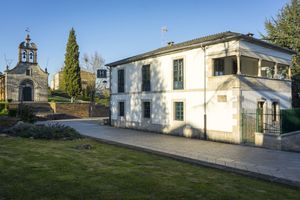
x,y
54,85
222,98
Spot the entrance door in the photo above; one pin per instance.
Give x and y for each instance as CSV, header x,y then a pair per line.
x,y
27,94
26,90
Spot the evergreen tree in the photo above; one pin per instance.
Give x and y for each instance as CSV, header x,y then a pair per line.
x,y
284,30
72,80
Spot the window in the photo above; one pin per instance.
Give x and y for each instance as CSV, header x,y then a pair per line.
x,y
282,71
24,55
267,69
178,74
146,84
101,73
31,57
121,109
121,80
275,111
234,67
28,72
179,111
219,67
147,109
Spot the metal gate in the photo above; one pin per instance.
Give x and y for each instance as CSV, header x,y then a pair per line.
x,y
249,127
259,120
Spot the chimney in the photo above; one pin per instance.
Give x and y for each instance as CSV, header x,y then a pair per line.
x,y
170,43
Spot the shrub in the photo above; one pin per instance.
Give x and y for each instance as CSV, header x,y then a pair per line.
x,y
25,113
290,119
3,106
12,112
7,122
4,112
103,102
50,131
84,98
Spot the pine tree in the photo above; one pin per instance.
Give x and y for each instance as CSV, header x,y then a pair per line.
x,y
284,30
72,80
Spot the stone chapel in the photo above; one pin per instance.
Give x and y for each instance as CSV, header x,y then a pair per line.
x,y
27,81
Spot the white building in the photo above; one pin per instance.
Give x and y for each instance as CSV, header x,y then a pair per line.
x,y
102,79
201,87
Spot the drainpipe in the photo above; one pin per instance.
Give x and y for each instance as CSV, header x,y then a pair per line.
x,y
204,96
110,96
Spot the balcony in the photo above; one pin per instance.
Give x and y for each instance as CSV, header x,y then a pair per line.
x,y
248,66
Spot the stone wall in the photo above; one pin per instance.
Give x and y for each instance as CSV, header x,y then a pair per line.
x,y
291,141
80,110
288,142
185,130
2,87
97,110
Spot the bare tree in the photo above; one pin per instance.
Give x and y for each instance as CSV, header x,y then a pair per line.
x,y
93,63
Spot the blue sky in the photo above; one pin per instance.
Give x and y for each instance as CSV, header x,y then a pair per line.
x,y
118,29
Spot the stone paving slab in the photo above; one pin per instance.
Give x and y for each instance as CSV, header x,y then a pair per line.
x,y
279,166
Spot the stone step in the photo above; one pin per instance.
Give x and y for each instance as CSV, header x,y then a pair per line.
x,y
37,107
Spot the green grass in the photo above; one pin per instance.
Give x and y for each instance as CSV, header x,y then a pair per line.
x,y
58,99
37,169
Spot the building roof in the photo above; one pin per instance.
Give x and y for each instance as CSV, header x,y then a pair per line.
x,y
200,42
22,66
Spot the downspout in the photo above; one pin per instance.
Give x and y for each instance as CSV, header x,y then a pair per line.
x,y
110,94
204,96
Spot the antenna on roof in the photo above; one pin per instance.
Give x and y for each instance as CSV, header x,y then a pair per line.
x,y
163,32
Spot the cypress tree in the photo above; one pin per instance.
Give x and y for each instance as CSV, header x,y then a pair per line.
x,y
284,30
72,80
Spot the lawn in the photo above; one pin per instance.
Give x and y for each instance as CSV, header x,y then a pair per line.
x,y
40,169
58,99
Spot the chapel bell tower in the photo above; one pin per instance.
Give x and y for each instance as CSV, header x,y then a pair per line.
x,y
28,51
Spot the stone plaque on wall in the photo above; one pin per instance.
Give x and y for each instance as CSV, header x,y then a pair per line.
x,y
222,98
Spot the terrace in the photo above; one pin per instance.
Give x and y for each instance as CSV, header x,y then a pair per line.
x,y
255,67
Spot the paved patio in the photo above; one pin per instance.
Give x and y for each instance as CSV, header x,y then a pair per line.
x,y
269,164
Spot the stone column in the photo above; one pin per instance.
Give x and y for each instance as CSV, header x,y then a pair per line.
x,y
27,56
275,71
20,55
289,72
34,57
259,67
238,61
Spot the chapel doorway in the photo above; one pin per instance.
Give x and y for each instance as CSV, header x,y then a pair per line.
x,y
26,90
